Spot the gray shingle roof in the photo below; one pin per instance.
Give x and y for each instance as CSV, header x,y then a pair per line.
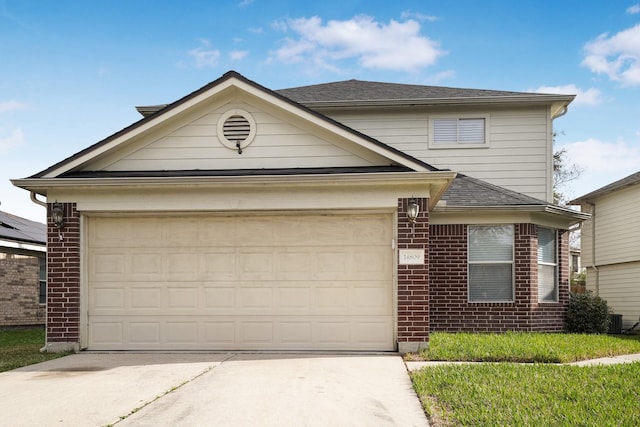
x,y
358,90
468,191
632,179
22,230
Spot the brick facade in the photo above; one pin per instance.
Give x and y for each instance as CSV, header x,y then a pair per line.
x,y
450,309
430,296
20,290
413,280
63,279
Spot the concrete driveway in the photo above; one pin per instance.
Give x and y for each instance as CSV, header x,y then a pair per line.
x,y
160,389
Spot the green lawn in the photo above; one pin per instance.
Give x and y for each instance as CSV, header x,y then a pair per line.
x,y
533,394
21,347
528,347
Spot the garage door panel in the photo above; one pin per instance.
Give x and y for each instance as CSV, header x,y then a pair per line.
x,y
142,333
244,332
145,299
266,282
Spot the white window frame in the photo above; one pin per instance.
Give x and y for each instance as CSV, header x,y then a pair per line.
x,y
491,262
548,264
458,143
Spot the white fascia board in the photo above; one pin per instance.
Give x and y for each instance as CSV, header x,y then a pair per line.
x,y
569,215
487,100
435,182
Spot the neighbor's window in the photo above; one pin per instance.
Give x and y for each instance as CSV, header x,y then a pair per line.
x,y
458,131
490,263
547,265
42,296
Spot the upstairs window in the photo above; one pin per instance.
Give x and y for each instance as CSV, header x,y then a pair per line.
x,y
458,131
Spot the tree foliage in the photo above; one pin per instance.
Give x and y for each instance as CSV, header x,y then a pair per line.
x,y
564,171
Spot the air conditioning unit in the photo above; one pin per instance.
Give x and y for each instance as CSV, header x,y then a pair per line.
x,y
615,324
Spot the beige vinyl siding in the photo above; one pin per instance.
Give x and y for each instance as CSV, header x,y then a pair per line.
x,y
517,154
278,144
617,227
620,287
617,251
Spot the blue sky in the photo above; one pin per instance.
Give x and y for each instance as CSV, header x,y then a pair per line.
x,y
71,72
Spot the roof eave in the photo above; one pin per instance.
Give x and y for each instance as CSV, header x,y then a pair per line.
x,y
550,209
483,100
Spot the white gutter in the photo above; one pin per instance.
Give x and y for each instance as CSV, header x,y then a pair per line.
x,y
35,200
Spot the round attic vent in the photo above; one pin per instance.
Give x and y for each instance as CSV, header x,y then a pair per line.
x,y
236,129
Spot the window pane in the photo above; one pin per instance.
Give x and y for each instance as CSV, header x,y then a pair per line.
x,y
547,271
42,292
471,131
491,243
546,245
445,131
490,282
547,283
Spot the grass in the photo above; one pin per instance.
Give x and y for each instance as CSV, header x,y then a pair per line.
x,y
533,394
527,347
21,347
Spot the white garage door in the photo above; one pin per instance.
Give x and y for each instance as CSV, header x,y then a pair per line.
x,y
287,282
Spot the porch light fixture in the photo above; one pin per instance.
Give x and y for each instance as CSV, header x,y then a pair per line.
x,y
57,216
413,209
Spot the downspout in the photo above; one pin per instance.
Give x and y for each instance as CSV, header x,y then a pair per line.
x,y
35,200
593,246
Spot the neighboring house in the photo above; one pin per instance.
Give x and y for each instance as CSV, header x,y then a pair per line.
x,y
577,271
23,271
611,245
342,216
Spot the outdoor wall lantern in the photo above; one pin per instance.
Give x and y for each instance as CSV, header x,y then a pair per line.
x,y
412,212
57,216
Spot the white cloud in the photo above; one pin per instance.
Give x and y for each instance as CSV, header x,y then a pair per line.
x,y
11,105
204,55
593,155
245,3
419,16
617,56
392,46
15,139
590,96
634,9
237,55
438,78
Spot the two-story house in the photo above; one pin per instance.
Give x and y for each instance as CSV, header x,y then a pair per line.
x,y
343,216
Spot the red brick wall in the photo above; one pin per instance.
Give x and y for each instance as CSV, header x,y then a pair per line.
x,y
20,290
451,312
63,277
413,280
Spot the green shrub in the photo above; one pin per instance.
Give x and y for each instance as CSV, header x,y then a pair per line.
x,y
587,314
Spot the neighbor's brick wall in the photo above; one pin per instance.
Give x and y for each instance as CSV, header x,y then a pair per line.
x,y
451,312
63,277
19,290
413,280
